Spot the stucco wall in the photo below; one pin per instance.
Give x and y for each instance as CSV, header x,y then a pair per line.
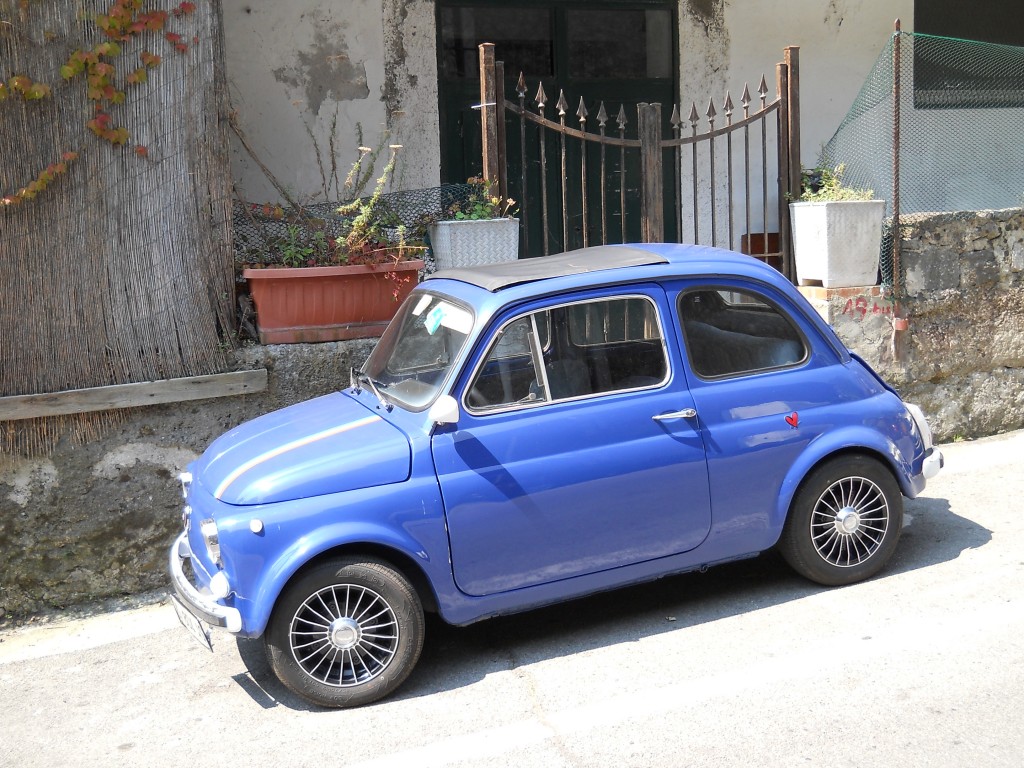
x,y
726,45
293,66
304,74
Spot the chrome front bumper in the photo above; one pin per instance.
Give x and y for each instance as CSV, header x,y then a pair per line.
x,y
203,607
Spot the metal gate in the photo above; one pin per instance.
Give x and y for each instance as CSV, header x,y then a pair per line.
x,y
719,189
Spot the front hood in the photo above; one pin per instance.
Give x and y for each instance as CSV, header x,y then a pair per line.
x,y
326,445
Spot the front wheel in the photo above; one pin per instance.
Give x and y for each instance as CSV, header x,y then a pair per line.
x,y
844,522
346,633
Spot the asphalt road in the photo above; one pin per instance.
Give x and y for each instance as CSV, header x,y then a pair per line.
x,y
745,665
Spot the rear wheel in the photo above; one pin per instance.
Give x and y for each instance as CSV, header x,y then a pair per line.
x,y
346,633
844,522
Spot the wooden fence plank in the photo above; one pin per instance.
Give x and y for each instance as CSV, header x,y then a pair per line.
x,y
17,407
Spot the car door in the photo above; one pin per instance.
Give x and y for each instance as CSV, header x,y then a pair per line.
x,y
764,386
574,452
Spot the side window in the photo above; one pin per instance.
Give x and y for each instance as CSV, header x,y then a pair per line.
x,y
571,351
733,332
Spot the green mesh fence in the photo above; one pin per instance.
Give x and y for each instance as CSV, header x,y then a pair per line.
x,y
961,113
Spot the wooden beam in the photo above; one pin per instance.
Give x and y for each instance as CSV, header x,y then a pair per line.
x,y
488,113
18,407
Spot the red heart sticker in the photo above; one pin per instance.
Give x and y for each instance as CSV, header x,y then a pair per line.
x,y
793,419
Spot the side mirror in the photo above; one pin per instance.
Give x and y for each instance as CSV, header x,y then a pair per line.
x,y
445,410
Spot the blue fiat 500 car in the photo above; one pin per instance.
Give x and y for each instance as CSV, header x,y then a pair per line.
x,y
533,431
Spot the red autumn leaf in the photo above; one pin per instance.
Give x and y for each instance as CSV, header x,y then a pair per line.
x,y
69,156
181,47
187,7
172,38
141,151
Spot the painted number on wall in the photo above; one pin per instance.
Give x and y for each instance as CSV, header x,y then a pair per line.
x,y
862,306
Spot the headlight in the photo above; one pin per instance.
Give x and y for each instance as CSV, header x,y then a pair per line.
x,y
208,529
922,424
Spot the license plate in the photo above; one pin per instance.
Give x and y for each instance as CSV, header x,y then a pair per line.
x,y
198,629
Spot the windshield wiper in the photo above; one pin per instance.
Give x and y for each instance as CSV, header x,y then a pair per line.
x,y
375,387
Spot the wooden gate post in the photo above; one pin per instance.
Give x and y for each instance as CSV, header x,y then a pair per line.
x,y
792,58
488,113
652,217
785,179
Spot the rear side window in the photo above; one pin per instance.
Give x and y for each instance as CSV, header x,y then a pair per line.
x,y
736,332
572,351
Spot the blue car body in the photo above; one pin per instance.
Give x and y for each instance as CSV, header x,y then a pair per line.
x,y
507,508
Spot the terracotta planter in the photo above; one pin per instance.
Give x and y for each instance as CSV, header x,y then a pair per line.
x,y
312,304
470,243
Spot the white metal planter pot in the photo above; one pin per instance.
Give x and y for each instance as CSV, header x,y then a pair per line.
x,y
470,243
836,243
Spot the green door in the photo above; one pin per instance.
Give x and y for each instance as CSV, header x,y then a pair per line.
x,y
620,53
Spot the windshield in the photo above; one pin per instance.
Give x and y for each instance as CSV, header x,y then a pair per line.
x,y
414,356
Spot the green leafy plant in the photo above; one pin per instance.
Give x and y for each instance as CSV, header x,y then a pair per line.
x,y
293,252
822,185
371,234
481,203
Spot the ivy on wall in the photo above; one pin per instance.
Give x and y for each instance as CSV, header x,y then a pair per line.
x,y
126,24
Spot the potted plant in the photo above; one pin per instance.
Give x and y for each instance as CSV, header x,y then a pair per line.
x,y
836,231
322,286
482,229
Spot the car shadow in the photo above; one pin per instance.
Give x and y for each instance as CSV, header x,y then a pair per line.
x,y
454,657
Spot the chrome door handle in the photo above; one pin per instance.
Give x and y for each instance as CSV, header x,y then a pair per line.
x,y
686,413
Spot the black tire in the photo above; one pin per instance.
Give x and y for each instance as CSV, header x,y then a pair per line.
x,y
844,522
346,633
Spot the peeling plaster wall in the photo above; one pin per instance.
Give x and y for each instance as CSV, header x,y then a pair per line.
x,y
293,66
839,41
296,69
410,89
724,44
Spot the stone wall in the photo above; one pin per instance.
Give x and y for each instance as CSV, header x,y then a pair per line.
x,y
961,357
96,520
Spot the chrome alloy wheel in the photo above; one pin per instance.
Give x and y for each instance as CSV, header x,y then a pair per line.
x,y
849,521
344,635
